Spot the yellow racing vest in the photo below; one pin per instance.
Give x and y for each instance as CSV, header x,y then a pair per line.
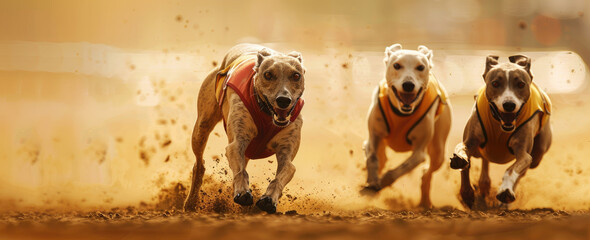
x,y
495,146
400,125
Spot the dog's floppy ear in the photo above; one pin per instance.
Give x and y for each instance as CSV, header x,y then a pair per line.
x,y
491,61
390,50
523,61
262,54
427,52
296,55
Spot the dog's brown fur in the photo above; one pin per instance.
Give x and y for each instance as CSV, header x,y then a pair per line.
x,y
241,129
528,148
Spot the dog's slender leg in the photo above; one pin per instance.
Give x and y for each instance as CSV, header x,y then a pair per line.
x,y
436,153
381,156
521,143
208,116
418,156
285,144
473,136
467,194
541,145
240,129
421,136
512,176
484,178
371,151
374,146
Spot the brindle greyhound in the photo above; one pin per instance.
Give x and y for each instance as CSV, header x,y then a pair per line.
x,y
257,92
510,120
409,112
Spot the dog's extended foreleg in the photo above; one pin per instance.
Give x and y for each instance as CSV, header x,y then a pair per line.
x,y
285,172
285,144
417,157
371,147
521,143
240,131
237,163
512,176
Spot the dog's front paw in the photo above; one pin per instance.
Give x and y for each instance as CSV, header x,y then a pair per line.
x,y
458,162
370,190
265,204
244,199
506,196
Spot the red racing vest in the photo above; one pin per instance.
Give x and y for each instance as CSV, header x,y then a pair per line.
x,y
239,76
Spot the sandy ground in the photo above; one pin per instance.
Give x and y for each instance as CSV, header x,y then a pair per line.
x,y
97,105
445,223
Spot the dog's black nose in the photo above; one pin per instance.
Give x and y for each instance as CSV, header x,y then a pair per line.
x,y
408,86
283,102
509,106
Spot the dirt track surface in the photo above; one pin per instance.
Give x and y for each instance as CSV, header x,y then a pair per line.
x,y
445,223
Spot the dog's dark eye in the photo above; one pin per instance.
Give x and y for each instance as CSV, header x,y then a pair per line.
x,y
495,84
296,76
420,68
397,66
520,85
267,75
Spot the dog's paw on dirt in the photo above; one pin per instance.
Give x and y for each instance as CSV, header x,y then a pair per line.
x,y
369,190
506,196
265,204
244,199
458,162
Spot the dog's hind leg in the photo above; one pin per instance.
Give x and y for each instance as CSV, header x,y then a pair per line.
x,y
484,178
208,115
436,153
285,144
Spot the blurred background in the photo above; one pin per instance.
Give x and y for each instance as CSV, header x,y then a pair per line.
x,y
98,98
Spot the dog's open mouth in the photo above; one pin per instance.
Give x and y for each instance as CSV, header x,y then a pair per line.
x,y
281,117
406,99
507,120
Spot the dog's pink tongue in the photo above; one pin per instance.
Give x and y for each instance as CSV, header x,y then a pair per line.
x,y
407,98
282,114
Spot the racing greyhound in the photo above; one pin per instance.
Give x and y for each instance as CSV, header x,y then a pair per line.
x,y
410,112
257,92
510,120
